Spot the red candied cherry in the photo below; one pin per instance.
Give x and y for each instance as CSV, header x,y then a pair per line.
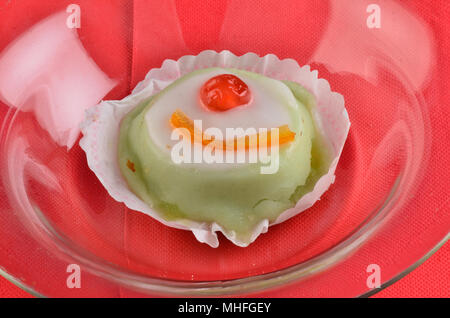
x,y
224,92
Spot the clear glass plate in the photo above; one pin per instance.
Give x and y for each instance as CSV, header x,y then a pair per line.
x,y
389,205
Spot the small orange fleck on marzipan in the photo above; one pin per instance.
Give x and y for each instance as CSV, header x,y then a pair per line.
x,y
130,166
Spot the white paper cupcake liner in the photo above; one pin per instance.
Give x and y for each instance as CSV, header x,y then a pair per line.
x,y
102,122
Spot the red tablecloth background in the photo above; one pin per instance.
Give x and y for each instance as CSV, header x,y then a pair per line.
x,y
431,279
129,66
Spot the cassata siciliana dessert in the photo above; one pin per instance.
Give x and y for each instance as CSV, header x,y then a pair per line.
x,y
218,149
235,195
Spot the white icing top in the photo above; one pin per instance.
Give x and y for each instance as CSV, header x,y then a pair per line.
x,y
267,109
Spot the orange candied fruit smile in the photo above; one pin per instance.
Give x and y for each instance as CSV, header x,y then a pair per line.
x,y
224,92
181,120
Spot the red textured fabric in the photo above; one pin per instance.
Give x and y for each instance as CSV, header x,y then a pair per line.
x,y
428,280
127,43
431,279
9,290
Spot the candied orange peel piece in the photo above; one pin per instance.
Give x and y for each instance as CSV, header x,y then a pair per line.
x,y
181,120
